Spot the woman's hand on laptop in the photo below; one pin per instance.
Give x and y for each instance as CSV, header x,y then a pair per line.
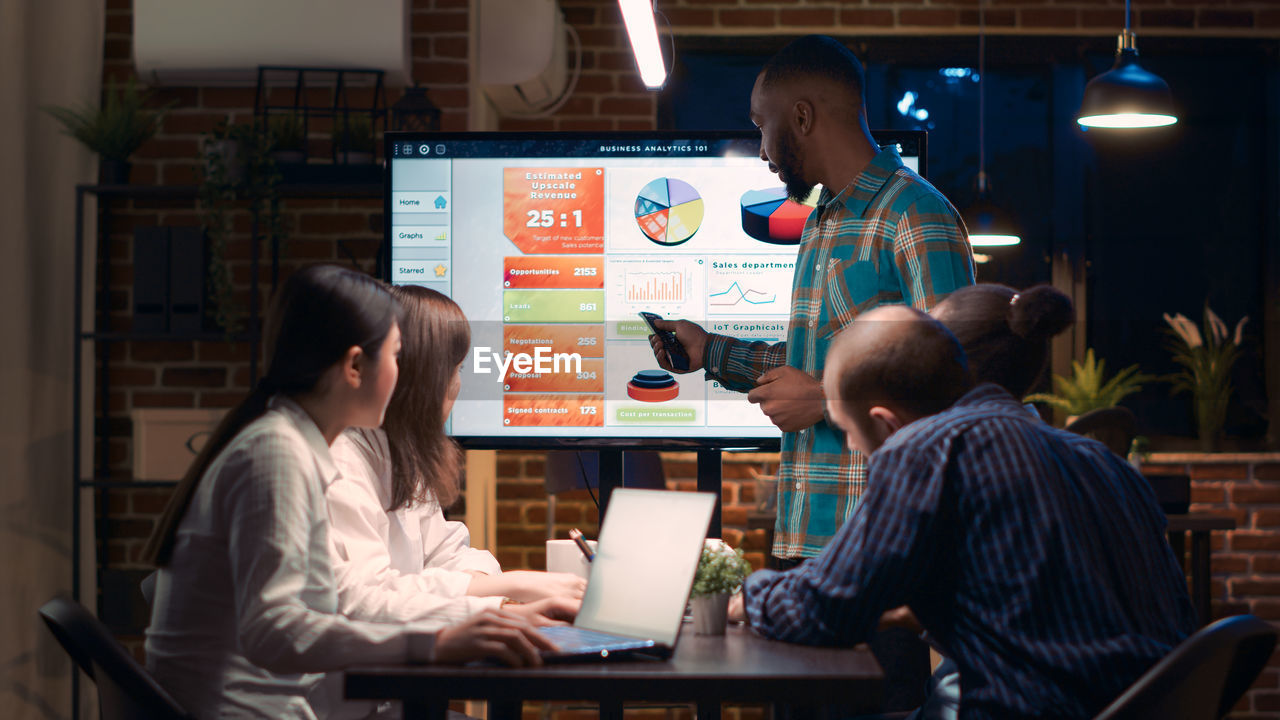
x,y
528,586
492,634
547,611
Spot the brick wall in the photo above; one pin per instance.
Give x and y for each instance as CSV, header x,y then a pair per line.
x,y
1245,561
608,96
522,504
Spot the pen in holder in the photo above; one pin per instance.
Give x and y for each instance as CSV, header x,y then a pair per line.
x,y
566,556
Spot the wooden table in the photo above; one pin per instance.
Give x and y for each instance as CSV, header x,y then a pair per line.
x,y
1199,526
706,670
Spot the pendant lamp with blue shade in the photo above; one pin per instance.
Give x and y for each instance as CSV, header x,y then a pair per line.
x,y
1127,95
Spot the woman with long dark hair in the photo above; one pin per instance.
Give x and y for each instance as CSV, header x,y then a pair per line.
x,y
396,558
245,609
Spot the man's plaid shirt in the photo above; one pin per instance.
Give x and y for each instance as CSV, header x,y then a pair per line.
x,y
888,238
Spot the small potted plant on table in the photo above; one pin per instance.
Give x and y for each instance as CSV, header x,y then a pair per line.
x,y
721,571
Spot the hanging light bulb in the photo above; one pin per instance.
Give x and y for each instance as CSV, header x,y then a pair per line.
x,y
987,223
1127,96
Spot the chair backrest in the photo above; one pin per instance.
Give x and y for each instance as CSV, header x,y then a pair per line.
x,y
1173,492
125,689
1115,427
1203,677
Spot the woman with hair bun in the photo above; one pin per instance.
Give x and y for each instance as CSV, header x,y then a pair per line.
x,y
1006,334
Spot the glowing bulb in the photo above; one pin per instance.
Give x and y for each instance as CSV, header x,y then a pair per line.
x,y
986,240
1127,120
643,32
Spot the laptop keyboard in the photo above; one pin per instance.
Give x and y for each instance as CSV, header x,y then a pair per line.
x,y
579,640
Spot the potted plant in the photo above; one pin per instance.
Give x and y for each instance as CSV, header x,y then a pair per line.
x,y
237,167
288,138
353,139
1088,389
115,129
721,571
1206,362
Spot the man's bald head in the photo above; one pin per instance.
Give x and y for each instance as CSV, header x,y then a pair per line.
x,y
899,358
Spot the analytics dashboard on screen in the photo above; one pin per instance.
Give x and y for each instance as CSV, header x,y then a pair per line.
x,y
552,244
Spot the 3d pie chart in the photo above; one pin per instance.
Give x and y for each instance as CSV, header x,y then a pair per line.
x,y
771,217
669,211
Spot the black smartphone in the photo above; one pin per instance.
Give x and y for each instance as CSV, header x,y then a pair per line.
x,y
675,351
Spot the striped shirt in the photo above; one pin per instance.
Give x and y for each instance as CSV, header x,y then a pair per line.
x,y
887,238
1034,557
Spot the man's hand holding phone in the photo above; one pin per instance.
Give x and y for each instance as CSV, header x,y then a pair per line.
x,y
683,337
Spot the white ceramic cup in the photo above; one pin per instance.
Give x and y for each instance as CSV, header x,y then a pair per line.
x,y
564,556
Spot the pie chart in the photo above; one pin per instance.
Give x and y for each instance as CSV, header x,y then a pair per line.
x,y
771,217
669,211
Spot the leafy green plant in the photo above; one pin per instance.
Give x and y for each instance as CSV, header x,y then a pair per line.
x,y
117,127
286,132
254,179
353,133
1087,389
1206,362
721,569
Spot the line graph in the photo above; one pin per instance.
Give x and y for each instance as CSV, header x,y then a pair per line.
x,y
750,286
729,298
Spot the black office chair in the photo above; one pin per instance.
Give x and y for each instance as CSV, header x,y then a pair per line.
x,y
125,690
1115,427
1203,677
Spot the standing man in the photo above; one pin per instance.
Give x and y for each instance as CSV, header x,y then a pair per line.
x,y
880,235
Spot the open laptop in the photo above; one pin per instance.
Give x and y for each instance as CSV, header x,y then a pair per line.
x,y
640,579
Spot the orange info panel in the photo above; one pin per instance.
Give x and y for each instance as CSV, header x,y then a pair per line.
x,y
571,379
555,272
554,210
586,340
553,410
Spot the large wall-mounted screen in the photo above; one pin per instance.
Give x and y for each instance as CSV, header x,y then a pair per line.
x,y
553,243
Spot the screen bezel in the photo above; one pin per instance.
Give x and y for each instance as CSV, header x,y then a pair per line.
x,y
909,139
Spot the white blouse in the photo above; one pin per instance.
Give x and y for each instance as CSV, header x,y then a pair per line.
x,y
246,611
410,564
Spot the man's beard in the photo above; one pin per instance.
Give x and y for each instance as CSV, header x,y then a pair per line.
x,y
788,164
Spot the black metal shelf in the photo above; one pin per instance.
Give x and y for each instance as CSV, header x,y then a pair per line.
x,y
130,336
284,190
327,181
125,484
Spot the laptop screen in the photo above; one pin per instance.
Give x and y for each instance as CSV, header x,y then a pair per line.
x,y
645,562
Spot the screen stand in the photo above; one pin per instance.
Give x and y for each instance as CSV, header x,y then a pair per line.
x,y
709,477
610,477
709,480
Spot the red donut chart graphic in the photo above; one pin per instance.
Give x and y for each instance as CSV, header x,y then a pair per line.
x,y
653,386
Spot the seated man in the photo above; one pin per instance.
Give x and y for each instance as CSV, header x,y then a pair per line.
x,y
1034,557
